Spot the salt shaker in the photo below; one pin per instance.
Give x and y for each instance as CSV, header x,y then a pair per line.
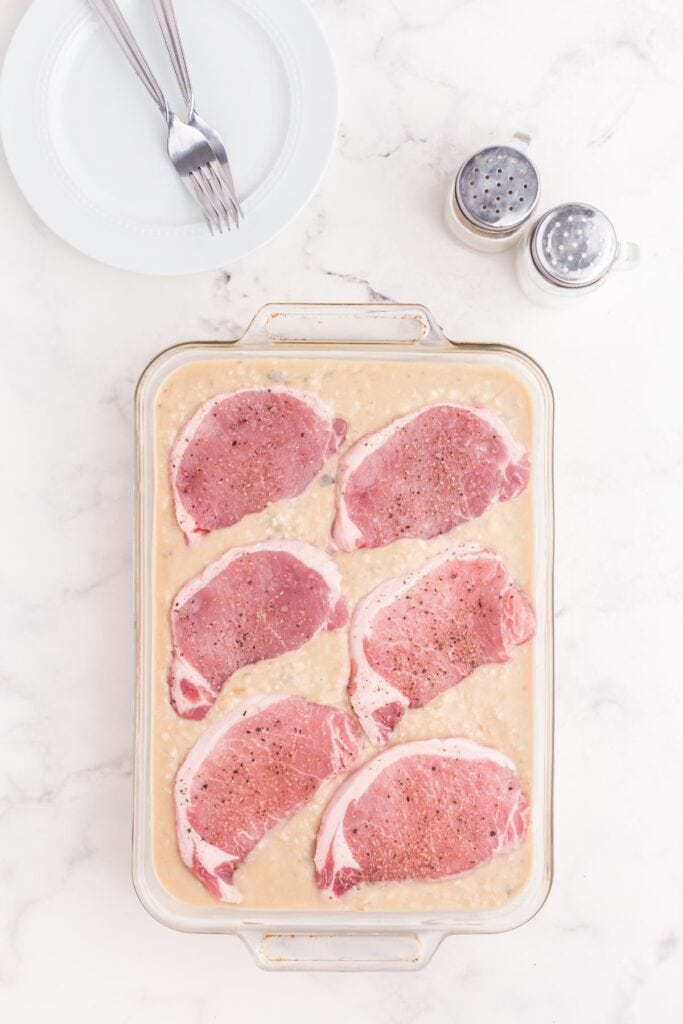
x,y
492,197
570,251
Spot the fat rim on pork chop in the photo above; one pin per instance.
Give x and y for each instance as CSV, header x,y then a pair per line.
x,y
453,807
254,768
416,635
230,460
424,474
283,577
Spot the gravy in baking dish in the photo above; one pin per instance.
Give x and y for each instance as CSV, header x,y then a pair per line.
x,y
492,706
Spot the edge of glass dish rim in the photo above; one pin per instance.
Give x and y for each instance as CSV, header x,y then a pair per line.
x,y
425,341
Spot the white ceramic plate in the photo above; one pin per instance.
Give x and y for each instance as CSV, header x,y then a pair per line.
x,y
87,145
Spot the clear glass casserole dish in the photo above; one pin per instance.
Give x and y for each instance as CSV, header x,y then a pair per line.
x,y
345,336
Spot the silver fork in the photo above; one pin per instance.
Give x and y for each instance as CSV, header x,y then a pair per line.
x,y
190,153
168,23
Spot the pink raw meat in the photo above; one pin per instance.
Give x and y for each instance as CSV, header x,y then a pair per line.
x,y
424,474
424,810
417,635
255,767
242,451
253,603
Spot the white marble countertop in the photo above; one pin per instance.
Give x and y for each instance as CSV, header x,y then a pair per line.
x,y
599,85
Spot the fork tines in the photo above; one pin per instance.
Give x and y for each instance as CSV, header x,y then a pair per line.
x,y
209,192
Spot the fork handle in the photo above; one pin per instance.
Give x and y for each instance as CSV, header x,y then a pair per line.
x,y
111,15
168,23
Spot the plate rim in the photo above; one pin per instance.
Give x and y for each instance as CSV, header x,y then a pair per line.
x,y
164,256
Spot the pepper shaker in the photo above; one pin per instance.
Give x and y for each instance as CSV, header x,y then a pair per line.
x,y
492,197
570,251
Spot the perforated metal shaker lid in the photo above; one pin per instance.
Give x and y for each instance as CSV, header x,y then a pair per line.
x,y
497,189
574,245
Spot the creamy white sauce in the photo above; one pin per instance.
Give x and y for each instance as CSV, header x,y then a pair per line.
x,y
492,706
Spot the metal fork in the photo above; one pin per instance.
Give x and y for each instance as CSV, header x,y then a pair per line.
x,y
168,24
190,153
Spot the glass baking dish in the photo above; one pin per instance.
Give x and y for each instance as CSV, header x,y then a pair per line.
x,y
349,940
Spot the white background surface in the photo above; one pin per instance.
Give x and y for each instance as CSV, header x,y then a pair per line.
x,y
599,84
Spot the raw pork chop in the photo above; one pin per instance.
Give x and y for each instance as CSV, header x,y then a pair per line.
x,y
256,766
241,452
424,474
253,603
424,810
417,635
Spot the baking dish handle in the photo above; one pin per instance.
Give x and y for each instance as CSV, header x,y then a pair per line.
x,y
342,951
374,323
